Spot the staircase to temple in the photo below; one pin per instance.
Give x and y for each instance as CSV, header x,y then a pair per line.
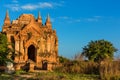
x,y
29,66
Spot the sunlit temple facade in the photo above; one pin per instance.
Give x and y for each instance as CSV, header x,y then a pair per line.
x,y
35,44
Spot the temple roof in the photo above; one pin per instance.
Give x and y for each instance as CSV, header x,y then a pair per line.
x,y
26,18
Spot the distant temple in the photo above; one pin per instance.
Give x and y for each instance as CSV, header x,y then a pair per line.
x,y
35,45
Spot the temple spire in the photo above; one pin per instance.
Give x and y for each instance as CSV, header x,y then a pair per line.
x,y
48,22
39,17
39,20
7,15
7,19
48,18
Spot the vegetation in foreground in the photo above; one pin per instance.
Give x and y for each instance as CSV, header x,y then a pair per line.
x,y
106,70
48,76
73,70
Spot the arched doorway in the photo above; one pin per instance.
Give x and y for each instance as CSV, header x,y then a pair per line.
x,y
31,53
44,65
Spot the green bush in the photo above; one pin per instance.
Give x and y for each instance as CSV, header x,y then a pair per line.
x,y
18,72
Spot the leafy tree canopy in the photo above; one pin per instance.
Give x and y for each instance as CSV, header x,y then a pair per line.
x,y
63,59
99,50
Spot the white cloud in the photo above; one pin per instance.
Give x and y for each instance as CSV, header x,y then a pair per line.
x,y
94,19
36,6
45,5
31,6
14,1
74,21
64,17
78,20
97,16
58,4
14,7
68,19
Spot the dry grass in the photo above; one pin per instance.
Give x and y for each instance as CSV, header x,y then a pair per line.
x,y
81,67
107,69
110,70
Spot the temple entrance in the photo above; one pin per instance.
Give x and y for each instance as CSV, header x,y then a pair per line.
x,y
44,65
31,53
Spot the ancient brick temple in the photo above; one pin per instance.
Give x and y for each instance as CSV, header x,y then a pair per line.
x,y
35,44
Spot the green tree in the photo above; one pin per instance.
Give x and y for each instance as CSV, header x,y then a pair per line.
x,y
63,59
99,50
4,51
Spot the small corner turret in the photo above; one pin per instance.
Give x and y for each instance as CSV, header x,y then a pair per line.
x,y
6,22
39,19
48,22
7,19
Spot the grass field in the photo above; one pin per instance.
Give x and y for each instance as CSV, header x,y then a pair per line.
x,y
47,76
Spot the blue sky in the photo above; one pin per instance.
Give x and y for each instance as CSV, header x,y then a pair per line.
x,y
77,22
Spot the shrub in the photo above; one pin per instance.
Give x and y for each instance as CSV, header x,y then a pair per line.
x,y
110,70
83,67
